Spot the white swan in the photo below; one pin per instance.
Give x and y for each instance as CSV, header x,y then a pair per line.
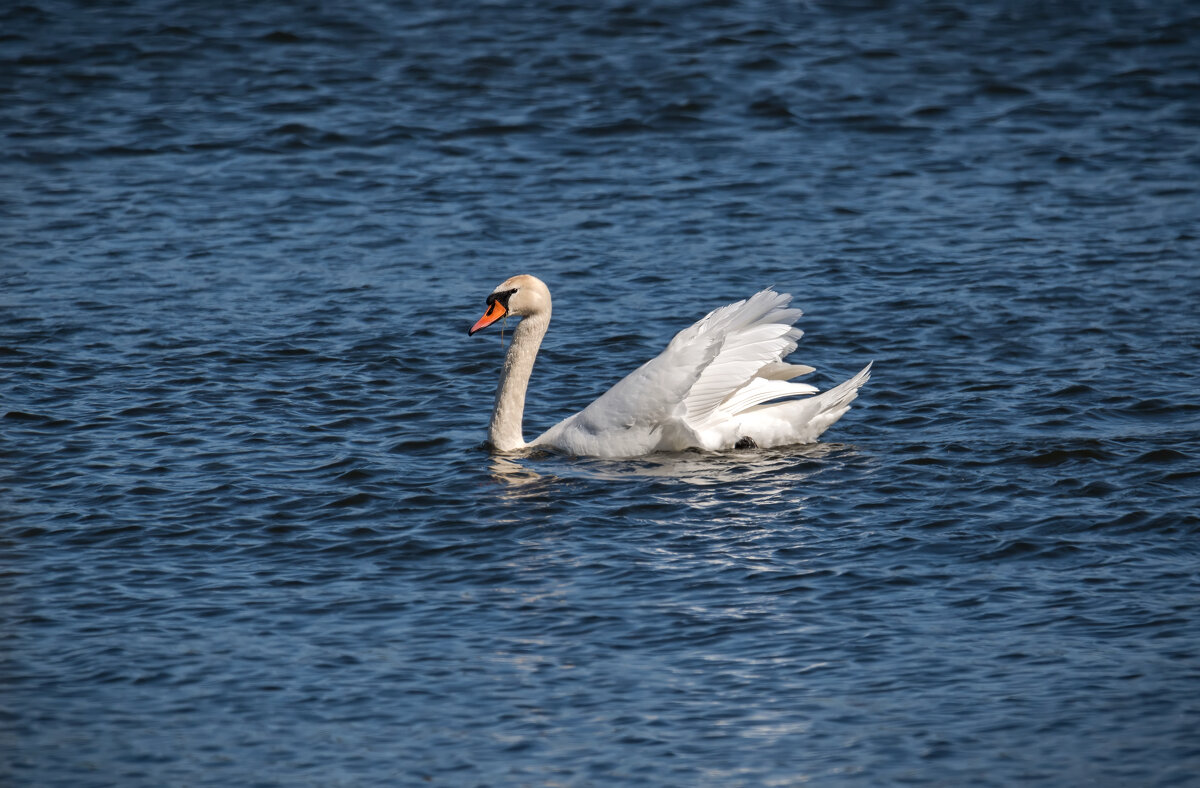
x,y
720,384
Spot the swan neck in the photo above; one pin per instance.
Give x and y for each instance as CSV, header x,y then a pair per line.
x,y
505,432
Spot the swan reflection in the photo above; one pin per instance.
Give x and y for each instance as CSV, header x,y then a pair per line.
x,y
518,479
530,472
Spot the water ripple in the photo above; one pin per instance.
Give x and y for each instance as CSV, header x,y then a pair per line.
x,y
249,528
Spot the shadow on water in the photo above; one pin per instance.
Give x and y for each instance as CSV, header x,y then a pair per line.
x,y
534,470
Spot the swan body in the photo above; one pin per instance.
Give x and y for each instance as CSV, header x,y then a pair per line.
x,y
720,384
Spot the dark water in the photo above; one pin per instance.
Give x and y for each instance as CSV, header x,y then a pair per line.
x,y
250,536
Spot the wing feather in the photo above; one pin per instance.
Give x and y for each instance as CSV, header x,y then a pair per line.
x,y
759,390
779,370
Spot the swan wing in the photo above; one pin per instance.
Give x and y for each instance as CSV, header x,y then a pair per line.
x,y
755,336
724,363
626,418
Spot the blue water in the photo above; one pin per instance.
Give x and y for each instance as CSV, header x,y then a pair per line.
x,y
250,535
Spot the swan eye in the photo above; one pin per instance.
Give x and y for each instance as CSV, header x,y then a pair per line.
x,y
502,297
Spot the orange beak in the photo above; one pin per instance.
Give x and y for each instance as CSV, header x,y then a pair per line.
x,y
494,312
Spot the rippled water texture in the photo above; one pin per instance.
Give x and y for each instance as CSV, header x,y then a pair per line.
x,y
250,535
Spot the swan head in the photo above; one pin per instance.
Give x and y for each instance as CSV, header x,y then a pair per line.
x,y
521,296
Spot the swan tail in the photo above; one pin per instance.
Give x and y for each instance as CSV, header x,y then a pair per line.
x,y
797,420
835,402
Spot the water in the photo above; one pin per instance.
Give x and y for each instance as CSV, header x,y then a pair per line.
x,y
250,535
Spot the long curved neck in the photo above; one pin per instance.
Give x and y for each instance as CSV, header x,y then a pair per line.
x,y
504,433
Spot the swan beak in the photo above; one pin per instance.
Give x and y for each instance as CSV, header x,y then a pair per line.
x,y
494,312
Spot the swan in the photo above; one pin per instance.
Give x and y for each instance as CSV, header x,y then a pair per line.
x,y
720,384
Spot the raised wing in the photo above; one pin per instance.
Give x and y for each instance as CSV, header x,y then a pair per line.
x,y
748,369
726,362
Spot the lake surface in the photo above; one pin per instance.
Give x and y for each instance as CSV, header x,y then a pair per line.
x,y
250,534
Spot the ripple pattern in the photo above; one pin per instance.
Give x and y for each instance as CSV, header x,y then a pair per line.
x,y
248,532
